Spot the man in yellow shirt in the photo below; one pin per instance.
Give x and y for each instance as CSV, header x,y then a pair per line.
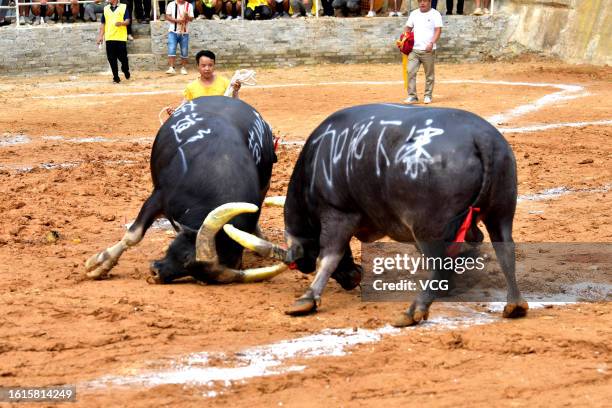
x,y
115,20
209,83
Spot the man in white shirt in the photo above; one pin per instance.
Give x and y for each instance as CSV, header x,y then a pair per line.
x,y
426,23
178,15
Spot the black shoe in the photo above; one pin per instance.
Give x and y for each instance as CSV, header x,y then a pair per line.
x,y
116,80
127,75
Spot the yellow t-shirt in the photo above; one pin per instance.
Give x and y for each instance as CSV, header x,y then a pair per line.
x,y
196,88
255,3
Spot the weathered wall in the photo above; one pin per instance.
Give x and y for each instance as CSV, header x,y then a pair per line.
x,y
339,40
71,48
577,31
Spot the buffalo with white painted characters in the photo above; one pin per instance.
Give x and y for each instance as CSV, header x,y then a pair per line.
x,y
210,152
413,174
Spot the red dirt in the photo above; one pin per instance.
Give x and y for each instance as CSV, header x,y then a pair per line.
x,y
58,328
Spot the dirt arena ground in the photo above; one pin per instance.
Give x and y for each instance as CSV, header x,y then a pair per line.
x,y
74,171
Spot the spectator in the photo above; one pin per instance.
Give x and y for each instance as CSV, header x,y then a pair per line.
x,y
232,9
208,9
328,9
426,23
257,8
347,7
395,10
130,9
301,8
449,7
71,9
178,15
91,9
42,12
209,83
3,20
281,8
143,11
24,11
113,29
479,11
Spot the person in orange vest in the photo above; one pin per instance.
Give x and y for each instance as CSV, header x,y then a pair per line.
x,y
115,20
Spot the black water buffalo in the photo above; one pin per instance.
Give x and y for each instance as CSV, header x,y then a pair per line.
x,y
210,152
410,173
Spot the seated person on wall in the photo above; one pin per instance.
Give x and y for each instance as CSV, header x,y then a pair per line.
x,y
394,8
42,12
481,11
347,7
91,9
24,11
208,9
3,12
257,10
328,10
301,8
232,9
280,7
73,9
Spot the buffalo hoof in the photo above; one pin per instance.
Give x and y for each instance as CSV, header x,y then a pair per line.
x,y
99,265
411,317
514,310
302,307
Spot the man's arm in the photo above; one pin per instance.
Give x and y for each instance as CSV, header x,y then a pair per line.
x,y
100,34
126,19
436,37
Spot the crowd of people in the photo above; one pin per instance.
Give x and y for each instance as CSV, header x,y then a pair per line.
x,y
46,13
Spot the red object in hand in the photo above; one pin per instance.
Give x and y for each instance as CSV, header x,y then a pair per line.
x,y
405,42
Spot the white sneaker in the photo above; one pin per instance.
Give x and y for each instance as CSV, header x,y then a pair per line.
x,y
42,21
392,14
478,12
200,17
171,71
22,20
183,71
427,100
485,10
411,99
371,13
215,17
130,37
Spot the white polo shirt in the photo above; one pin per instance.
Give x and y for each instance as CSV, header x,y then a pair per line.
x,y
423,26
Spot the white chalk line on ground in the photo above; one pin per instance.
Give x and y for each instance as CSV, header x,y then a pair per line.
x,y
539,128
16,139
273,359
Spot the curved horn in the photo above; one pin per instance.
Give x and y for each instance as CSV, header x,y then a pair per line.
x,y
261,246
205,240
229,275
275,201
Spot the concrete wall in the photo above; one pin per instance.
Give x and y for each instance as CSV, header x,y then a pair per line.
x,y
71,48
339,40
577,31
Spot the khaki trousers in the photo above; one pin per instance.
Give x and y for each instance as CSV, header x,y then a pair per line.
x,y
415,59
